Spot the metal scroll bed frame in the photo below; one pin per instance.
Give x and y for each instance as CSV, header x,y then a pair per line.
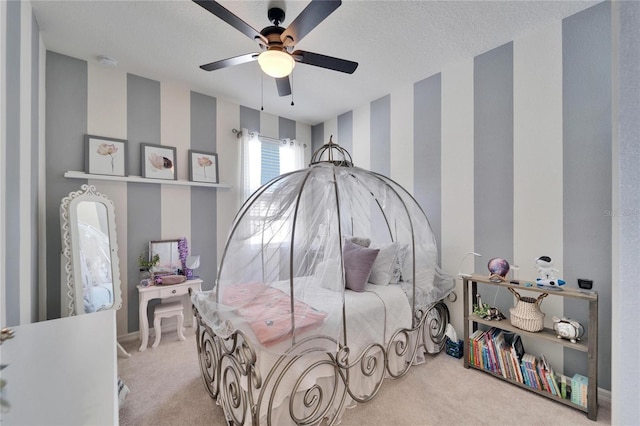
x,y
232,378
314,379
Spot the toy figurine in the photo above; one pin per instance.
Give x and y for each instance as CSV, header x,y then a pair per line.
x,y
486,312
547,280
566,328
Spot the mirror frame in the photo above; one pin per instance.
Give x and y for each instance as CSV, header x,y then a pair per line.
x,y
158,243
71,257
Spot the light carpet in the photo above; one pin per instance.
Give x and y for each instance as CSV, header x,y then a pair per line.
x,y
166,389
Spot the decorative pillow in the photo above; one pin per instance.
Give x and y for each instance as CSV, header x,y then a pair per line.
x,y
328,273
361,241
382,268
358,262
396,269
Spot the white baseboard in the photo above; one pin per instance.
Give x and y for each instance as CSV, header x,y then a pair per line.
x,y
129,337
169,325
604,395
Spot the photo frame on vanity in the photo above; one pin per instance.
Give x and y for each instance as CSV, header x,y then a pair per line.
x,y
158,161
105,156
203,166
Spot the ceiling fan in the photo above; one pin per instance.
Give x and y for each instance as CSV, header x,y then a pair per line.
x,y
277,58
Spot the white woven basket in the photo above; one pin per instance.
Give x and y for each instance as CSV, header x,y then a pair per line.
x,y
526,315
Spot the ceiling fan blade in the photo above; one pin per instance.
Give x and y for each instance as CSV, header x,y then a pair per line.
x,y
307,20
231,19
284,86
324,61
229,62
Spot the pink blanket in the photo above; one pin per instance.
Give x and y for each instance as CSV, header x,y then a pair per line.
x,y
268,311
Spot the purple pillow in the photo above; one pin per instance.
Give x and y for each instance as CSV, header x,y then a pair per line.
x,y
358,262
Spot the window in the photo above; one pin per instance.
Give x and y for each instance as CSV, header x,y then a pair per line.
x,y
270,161
264,159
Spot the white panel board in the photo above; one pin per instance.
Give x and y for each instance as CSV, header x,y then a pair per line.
x,y
402,136
361,136
107,116
175,131
457,177
537,153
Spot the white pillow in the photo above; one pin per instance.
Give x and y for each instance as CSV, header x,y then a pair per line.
x,y
382,271
329,274
361,241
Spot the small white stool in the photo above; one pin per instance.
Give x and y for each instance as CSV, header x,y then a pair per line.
x,y
167,310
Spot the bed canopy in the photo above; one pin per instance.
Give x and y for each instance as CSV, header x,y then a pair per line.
x,y
307,231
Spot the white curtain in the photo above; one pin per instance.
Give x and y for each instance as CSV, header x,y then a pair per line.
x,y
291,156
251,164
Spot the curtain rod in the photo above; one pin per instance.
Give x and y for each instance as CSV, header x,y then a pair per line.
x,y
238,134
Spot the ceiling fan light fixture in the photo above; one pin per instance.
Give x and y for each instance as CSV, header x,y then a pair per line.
x,y
276,63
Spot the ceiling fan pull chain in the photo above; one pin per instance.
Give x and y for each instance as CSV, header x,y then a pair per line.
x,y
261,91
291,78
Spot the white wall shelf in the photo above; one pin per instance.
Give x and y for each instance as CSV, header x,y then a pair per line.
x,y
138,179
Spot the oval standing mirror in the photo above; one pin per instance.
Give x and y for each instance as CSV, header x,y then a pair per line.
x,y
90,253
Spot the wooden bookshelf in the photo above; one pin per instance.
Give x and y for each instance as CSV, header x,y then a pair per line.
x,y
588,345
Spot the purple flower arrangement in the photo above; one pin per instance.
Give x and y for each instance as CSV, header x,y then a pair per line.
x,y
183,251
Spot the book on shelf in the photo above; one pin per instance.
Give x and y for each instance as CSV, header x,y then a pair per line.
x,y
504,362
517,352
579,386
529,368
472,355
550,376
565,386
473,348
494,366
518,347
544,378
485,352
504,354
493,350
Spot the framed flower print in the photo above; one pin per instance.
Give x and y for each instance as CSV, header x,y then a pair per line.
x,y
203,166
105,156
158,161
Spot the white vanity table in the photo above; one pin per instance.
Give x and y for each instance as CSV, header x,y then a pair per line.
x,y
62,372
165,292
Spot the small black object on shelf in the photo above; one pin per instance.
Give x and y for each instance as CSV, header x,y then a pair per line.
x,y
585,283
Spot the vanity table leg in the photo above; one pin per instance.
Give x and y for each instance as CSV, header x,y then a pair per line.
x,y
144,325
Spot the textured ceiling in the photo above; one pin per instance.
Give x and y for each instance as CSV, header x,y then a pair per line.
x,y
395,42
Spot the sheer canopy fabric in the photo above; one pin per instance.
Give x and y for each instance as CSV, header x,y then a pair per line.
x,y
288,239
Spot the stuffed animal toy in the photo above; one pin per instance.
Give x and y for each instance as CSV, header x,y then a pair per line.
x,y
547,279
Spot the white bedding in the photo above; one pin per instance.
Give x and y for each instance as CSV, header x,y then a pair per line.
x,y
372,316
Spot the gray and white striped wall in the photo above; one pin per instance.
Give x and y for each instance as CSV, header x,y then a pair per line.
x,y
510,154
22,158
86,98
